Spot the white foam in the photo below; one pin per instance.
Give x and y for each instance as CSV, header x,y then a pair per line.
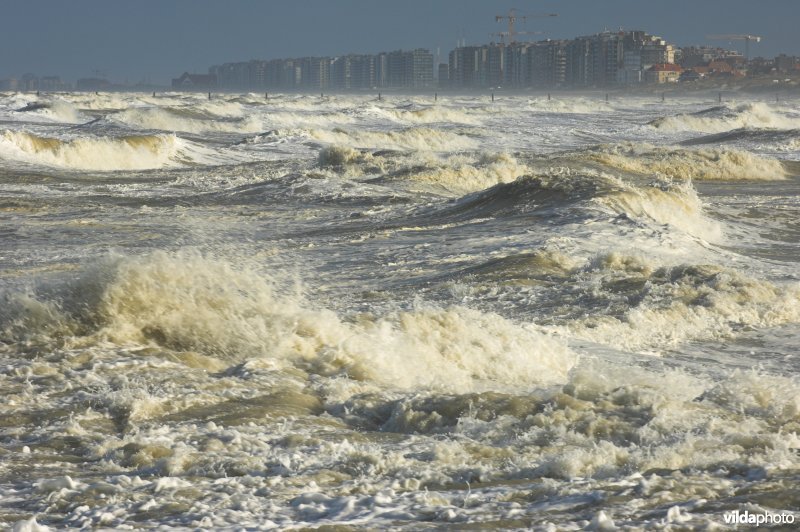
x,y
97,153
683,303
569,105
62,111
416,138
29,525
186,302
462,174
181,120
748,115
698,164
433,114
677,205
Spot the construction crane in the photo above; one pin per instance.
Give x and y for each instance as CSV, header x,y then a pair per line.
x,y
512,18
737,37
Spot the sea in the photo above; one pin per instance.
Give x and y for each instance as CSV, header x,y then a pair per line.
x,y
414,312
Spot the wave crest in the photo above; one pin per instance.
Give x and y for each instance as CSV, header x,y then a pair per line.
x,y
727,117
680,163
137,152
179,119
677,205
183,301
415,138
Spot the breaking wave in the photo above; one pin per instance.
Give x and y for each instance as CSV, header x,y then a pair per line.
x,y
572,105
340,155
191,121
725,118
284,119
415,138
56,111
99,153
676,304
454,174
432,114
674,204
768,136
560,191
700,164
185,302
461,174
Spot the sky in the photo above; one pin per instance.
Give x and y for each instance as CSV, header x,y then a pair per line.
x,y
156,40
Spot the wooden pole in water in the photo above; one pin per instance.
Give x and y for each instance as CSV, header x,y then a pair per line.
x,y
379,96
548,96
492,95
720,98
266,96
435,96
209,95
663,97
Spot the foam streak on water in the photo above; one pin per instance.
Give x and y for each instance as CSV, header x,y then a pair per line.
x,y
397,313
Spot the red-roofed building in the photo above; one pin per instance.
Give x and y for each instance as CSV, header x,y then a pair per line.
x,y
663,73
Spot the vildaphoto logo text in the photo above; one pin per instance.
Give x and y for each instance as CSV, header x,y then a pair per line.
x,y
767,518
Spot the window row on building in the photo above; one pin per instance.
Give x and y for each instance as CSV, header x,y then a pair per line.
x,y
609,58
399,69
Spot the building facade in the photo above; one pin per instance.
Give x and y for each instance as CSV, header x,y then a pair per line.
x,y
397,70
601,60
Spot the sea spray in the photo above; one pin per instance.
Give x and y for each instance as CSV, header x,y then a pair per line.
x,y
138,152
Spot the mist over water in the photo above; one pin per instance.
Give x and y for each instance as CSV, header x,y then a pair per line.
x,y
401,313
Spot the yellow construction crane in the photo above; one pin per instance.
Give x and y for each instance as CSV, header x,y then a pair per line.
x,y
512,18
737,37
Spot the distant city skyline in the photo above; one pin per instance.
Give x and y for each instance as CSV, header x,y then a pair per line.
x,y
154,41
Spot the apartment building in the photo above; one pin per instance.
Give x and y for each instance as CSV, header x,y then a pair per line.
x,y
399,69
604,59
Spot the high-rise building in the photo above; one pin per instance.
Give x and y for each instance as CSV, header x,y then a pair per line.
x,y
399,69
409,69
600,60
547,64
444,75
579,70
496,65
468,67
421,73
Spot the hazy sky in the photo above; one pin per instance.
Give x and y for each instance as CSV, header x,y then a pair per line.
x,y
158,39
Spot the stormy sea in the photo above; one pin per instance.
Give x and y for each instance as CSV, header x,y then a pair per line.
x,y
549,313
